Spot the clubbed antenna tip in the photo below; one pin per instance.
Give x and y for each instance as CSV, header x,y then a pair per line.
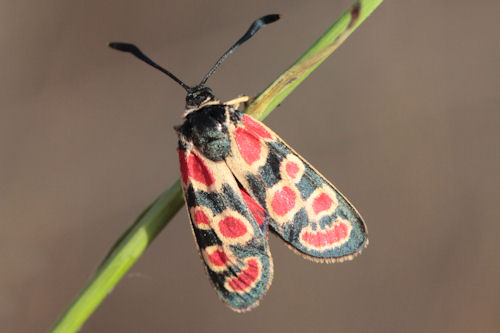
x,y
256,25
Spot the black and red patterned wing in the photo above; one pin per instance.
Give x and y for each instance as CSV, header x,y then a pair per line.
x,y
306,210
228,232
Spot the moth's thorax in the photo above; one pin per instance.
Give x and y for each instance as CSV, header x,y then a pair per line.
x,y
207,129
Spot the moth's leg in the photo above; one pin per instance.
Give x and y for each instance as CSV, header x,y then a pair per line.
x,y
247,102
235,103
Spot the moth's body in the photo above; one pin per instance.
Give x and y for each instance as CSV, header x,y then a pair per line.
x,y
239,179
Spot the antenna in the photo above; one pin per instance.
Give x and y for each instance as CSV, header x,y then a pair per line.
x,y
250,32
256,25
131,48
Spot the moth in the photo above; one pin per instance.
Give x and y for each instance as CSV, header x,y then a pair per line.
x,y
240,181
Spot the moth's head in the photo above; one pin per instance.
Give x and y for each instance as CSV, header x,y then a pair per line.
x,y
197,96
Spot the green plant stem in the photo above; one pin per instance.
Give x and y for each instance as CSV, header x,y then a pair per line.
x,y
135,240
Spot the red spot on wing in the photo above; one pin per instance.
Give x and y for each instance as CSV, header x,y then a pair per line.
x,y
184,167
248,145
247,277
311,238
291,169
201,218
283,201
232,227
198,170
256,127
339,233
218,258
319,239
257,211
321,203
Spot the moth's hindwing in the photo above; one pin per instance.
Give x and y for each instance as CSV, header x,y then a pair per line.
x,y
228,226
306,210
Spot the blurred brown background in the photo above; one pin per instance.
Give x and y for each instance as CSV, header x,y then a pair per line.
x,y
403,118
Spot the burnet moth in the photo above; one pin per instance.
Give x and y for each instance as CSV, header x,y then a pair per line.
x,y
240,179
